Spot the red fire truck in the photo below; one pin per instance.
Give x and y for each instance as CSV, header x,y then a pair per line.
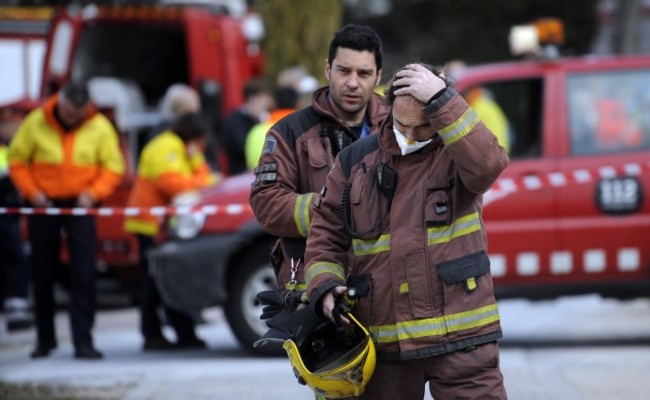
x,y
130,56
570,215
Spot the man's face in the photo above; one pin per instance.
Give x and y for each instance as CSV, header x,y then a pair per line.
x,y
352,77
71,114
409,119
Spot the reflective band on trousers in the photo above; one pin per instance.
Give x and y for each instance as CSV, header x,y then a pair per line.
x,y
438,326
324,268
461,127
440,234
301,213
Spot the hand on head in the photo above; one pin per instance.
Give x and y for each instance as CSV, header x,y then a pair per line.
x,y
419,82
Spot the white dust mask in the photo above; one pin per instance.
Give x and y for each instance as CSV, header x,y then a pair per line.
x,y
408,146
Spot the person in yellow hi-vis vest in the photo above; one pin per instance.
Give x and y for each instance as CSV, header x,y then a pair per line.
x,y
483,103
170,164
65,154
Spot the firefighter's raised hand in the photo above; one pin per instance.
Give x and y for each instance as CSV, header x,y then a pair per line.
x,y
417,81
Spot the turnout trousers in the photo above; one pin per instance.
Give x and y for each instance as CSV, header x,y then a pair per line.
x,y
461,375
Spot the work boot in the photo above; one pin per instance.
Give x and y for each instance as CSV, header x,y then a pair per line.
x,y
157,343
191,343
42,350
87,351
17,314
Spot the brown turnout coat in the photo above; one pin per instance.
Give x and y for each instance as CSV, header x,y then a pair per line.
x,y
299,151
431,291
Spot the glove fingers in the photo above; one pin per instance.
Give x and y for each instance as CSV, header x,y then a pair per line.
x,y
270,297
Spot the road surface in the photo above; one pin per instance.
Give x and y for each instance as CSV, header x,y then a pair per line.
x,y
578,348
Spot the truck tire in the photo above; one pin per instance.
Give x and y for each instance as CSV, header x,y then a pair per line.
x,y
252,273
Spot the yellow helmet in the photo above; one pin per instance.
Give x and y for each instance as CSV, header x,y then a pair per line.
x,y
334,363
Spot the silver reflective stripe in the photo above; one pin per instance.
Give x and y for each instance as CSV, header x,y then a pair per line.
x,y
462,226
366,247
301,213
461,127
437,326
320,268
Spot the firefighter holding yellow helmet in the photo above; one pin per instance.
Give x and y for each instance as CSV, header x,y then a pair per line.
x,y
407,204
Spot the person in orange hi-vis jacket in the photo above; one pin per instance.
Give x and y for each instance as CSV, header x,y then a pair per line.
x,y
170,164
65,154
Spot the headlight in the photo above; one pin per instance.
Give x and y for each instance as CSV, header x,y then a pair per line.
x,y
186,226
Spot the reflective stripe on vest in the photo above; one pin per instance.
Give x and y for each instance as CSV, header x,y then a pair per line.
x,y
435,327
435,235
301,213
320,268
459,128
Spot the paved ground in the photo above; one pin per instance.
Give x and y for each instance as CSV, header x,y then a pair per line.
x,y
569,349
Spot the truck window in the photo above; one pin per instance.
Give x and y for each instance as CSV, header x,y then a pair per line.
x,y
512,110
151,55
608,112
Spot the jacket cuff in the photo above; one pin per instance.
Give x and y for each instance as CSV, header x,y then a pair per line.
x,y
316,298
441,101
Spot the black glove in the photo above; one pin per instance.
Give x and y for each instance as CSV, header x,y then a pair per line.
x,y
276,300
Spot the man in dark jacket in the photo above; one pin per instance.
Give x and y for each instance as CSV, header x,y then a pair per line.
x,y
258,100
408,203
300,149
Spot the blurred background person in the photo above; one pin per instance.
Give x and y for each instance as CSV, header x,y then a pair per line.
x,y
258,100
286,100
171,163
65,154
179,99
301,81
13,260
484,104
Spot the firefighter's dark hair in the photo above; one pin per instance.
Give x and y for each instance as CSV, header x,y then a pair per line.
x,y
359,38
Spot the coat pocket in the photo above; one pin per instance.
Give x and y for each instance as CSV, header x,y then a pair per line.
x,y
369,207
466,282
438,207
317,153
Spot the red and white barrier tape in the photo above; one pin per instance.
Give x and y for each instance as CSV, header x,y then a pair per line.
x,y
229,209
504,187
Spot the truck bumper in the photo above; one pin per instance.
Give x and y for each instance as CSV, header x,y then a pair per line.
x,y
191,274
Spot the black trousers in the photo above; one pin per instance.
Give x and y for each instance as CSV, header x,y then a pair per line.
x,y
45,236
151,303
13,260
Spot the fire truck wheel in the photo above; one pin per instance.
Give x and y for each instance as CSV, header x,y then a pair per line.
x,y
252,273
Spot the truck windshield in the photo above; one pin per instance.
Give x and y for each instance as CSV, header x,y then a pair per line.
x,y
153,57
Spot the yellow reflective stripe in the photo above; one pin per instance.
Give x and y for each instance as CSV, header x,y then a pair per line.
x,y
438,326
4,158
148,227
296,286
461,127
462,226
301,213
471,284
404,288
320,268
365,247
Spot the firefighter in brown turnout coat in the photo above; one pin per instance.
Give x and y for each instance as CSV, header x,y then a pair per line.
x,y
300,149
408,203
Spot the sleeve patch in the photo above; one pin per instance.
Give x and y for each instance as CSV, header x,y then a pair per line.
x,y
269,145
